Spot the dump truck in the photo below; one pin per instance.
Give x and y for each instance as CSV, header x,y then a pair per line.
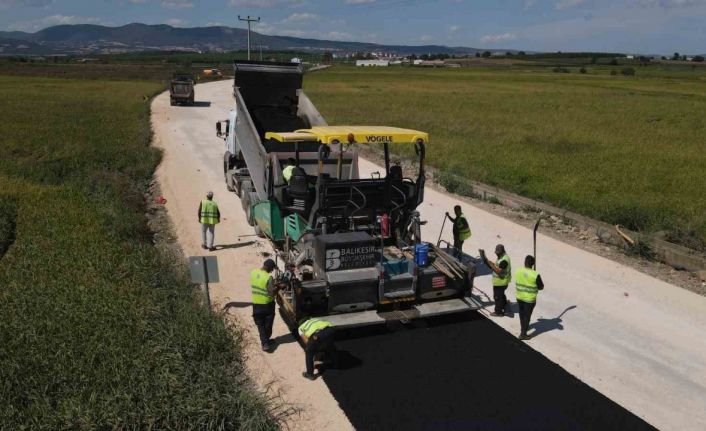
x,y
351,247
181,89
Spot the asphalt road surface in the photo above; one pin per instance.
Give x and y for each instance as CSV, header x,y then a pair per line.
x,y
635,339
462,373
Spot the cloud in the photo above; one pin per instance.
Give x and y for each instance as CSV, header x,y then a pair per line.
x,y
495,38
360,1
25,3
426,38
177,4
568,4
529,4
265,4
49,21
301,17
454,29
175,22
669,4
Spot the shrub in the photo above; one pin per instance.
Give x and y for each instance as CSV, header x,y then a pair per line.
x,y
583,70
613,72
628,71
561,70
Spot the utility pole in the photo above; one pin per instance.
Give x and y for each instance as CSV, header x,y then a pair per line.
x,y
249,19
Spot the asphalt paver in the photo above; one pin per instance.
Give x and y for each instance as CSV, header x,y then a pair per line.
x,y
461,373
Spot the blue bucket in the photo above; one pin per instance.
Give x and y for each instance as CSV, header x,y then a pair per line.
x,y
421,254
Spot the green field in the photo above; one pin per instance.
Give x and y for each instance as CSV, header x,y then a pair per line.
x,y
628,150
99,330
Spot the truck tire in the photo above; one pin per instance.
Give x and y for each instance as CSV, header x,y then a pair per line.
x,y
227,163
172,102
230,180
252,200
242,189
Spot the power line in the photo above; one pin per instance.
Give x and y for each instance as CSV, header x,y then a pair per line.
x,y
249,19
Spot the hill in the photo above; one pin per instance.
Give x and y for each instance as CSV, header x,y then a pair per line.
x,y
89,38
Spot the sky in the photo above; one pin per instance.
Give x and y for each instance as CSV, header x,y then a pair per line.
x,y
629,26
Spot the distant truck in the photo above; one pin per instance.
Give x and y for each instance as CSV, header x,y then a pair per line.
x,y
212,73
181,89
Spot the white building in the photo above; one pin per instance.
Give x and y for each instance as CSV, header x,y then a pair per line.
x,y
296,60
372,63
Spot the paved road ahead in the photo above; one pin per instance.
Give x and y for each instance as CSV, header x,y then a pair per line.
x,y
637,340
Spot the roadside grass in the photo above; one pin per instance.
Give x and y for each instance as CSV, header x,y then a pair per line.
x,y
99,331
626,150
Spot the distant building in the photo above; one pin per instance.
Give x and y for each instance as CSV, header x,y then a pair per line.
x,y
630,57
372,63
296,60
417,62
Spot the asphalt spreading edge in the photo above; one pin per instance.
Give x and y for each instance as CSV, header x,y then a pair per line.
x,y
461,373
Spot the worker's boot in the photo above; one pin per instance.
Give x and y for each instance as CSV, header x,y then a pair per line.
x,y
524,337
308,376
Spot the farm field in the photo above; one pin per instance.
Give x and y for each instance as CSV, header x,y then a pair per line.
x,y
627,150
99,329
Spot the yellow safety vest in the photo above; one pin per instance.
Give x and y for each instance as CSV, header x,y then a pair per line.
x,y
209,212
310,327
463,232
287,172
258,284
505,276
526,283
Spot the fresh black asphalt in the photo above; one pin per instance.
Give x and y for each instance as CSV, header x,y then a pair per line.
x,y
461,373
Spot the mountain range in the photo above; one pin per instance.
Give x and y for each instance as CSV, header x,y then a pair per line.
x,y
93,39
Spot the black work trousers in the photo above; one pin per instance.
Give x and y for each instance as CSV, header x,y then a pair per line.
x,y
264,316
526,309
321,341
458,246
500,299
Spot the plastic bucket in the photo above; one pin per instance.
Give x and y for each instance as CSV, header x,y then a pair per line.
x,y
421,254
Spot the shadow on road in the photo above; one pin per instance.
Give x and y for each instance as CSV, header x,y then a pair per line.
x,y
236,245
201,104
236,304
545,325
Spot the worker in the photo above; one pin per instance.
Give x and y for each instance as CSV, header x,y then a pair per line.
x,y
317,335
502,275
528,283
264,288
461,230
287,171
209,217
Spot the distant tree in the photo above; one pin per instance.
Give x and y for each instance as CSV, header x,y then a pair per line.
x,y
594,60
424,57
368,56
477,54
628,71
664,58
327,57
614,62
521,53
699,59
487,54
683,57
676,56
583,70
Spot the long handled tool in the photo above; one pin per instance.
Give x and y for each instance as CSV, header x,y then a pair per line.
x,y
534,235
438,241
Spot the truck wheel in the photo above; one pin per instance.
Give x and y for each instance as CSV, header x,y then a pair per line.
x,y
230,180
172,102
252,200
226,163
243,189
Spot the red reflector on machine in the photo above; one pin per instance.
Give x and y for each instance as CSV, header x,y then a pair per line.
x,y
438,282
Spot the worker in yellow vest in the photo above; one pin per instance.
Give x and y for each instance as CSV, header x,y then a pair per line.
x,y
264,288
209,217
461,230
528,283
317,335
502,275
287,171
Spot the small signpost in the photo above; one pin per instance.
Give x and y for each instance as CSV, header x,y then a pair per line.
x,y
204,270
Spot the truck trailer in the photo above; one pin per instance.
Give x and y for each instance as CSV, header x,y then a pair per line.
x,y
351,246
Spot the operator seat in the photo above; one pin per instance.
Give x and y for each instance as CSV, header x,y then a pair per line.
x,y
298,191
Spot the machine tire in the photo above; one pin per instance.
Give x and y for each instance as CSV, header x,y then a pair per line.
x,y
226,162
252,200
259,231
